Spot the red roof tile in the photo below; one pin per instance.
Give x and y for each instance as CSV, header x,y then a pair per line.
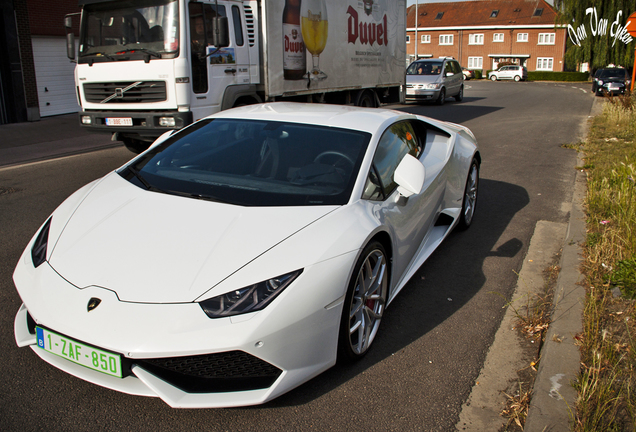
x,y
479,13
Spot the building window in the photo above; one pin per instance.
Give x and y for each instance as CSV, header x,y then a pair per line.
x,y
546,38
538,12
494,13
475,62
408,39
445,39
439,15
475,39
498,37
544,63
522,37
426,38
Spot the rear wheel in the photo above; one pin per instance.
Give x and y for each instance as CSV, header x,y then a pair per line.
x,y
366,99
460,96
517,78
364,303
469,200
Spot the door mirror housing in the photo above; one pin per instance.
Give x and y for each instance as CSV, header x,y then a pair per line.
x,y
409,176
70,37
220,32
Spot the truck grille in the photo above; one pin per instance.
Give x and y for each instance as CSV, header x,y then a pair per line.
x,y
125,92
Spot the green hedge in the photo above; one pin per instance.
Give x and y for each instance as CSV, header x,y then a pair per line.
x,y
557,76
553,76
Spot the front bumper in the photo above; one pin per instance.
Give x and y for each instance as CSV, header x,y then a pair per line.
x,y
293,339
422,94
144,123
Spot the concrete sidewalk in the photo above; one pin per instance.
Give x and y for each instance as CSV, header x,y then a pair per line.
x,y
50,137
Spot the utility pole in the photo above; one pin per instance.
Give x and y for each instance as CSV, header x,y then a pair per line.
x,y
415,41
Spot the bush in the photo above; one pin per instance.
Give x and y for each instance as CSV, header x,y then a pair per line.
x,y
557,76
477,74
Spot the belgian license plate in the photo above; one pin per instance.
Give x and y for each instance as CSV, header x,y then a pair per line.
x,y
80,353
119,121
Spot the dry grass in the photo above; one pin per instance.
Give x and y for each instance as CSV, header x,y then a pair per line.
x,y
606,400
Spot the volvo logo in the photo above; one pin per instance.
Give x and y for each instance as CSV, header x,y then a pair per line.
x,y
119,92
93,303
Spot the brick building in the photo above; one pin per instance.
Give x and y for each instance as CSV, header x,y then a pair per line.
x,y
36,77
482,34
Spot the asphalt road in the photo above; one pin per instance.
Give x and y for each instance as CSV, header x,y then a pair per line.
x,y
435,336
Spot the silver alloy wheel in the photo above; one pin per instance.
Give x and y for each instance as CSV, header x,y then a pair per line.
x,y
368,301
470,195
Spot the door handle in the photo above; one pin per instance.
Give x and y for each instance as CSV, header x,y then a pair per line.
x,y
232,71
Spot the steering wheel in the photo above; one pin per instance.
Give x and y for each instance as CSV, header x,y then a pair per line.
x,y
341,156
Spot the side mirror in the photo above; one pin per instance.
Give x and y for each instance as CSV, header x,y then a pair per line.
x,y
220,33
70,37
449,74
409,176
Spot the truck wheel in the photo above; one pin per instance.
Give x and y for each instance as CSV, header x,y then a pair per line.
x,y
135,145
366,99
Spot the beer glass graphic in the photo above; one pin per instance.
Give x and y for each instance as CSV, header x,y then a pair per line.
x,y
314,27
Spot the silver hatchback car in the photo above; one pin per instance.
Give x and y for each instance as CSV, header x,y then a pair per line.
x,y
434,79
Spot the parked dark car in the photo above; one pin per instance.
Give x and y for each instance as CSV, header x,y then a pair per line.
x,y
611,81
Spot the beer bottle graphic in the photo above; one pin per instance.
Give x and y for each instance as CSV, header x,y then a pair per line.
x,y
294,60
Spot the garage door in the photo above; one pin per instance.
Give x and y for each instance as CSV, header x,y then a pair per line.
x,y
54,75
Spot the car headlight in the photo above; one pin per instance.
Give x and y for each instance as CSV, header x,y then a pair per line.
x,y
38,251
249,299
433,86
600,82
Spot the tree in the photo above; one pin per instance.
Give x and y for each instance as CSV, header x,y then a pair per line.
x,y
590,24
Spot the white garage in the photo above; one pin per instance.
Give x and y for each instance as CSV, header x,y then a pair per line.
x,y
54,75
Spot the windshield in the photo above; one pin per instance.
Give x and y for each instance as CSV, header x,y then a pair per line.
x,y
613,73
254,163
126,30
425,68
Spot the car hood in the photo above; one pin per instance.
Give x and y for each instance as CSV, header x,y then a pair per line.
x,y
150,247
422,79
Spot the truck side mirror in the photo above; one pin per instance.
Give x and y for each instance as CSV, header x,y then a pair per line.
x,y
220,32
70,37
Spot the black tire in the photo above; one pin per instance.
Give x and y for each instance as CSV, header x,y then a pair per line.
x,y
366,99
442,97
493,78
364,304
134,145
517,78
469,199
460,96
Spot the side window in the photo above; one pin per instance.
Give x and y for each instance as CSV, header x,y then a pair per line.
x,y
448,69
456,67
238,28
398,140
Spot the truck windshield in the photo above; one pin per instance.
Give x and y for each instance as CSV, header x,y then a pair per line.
x,y
115,31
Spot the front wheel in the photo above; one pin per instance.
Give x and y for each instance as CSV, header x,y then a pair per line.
x,y
442,97
364,303
469,200
493,78
135,145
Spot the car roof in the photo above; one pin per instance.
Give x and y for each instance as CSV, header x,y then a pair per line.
x,y
344,116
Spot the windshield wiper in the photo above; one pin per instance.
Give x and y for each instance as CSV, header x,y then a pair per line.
x,y
98,54
146,52
135,172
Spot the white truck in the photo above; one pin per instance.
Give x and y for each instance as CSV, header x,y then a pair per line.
x,y
148,66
